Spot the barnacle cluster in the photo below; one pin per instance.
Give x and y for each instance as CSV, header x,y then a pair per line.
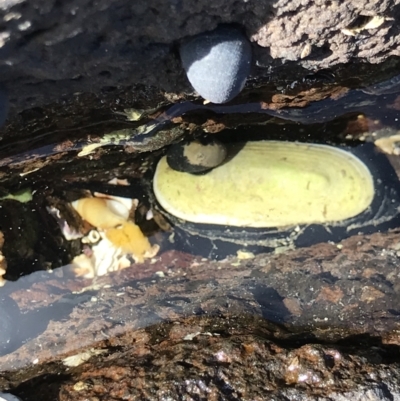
x,y
110,239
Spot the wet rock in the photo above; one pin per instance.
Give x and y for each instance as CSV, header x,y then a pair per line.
x,y
94,47
209,366
383,88
3,106
25,227
9,323
232,344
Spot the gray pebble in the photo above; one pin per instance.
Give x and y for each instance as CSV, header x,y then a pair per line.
x,y
217,63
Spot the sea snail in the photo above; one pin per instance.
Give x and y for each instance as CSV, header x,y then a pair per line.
x,y
217,63
196,156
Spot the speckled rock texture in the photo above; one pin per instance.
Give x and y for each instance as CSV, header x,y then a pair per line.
x,y
232,330
50,50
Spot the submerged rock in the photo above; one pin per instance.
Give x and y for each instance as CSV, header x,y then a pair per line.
x,y
9,323
217,63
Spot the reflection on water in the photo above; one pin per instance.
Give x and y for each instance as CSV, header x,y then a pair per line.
x,y
363,101
87,251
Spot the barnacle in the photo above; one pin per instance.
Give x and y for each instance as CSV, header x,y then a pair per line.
x,y
104,258
131,240
101,212
116,238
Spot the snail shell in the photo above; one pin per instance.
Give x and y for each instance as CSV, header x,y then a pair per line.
x,y
196,156
217,63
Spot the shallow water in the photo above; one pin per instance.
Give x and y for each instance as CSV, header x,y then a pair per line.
x,y
48,299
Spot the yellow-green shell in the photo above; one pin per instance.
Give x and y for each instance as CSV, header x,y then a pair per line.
x,y
270,184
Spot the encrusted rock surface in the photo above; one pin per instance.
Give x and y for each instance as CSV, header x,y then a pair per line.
x,y
319,323
50,49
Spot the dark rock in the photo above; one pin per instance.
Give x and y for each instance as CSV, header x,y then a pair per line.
x,y
3,106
